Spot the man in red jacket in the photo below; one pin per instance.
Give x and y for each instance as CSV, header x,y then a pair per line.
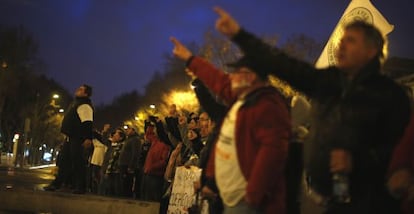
x,y
250,154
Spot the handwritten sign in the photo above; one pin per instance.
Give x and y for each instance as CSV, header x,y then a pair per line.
x,y
182,193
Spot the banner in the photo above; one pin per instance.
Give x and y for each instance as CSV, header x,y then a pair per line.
x,y
356,10
182,193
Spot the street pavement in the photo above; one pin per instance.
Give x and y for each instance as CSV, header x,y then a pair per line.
x,y
21,191
24,178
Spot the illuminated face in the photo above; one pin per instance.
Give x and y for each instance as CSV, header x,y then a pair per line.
x,y
117,136
204,120
354,52
81,92
205,124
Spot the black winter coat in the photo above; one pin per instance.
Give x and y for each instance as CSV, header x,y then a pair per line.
x,y
365,116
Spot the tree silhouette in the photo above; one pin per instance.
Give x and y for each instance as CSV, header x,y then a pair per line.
x,y
17,54
119,110
165,85
25,95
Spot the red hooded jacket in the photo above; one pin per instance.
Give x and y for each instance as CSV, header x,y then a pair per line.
x,y
263,129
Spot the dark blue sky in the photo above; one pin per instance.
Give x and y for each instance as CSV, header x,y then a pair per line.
x,y
116,45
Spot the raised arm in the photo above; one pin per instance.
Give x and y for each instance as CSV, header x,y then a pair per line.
x,y
299,74
215,110
216,80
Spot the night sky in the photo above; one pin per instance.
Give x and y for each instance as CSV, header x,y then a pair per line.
x,y
116,45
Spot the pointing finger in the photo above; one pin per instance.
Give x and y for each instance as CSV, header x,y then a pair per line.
x,y
220,11
175,41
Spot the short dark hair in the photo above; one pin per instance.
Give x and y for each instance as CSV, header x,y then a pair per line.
x,y
372,35
88,89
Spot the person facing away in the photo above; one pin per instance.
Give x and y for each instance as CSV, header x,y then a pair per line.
x,y
358,117
77,126
251,149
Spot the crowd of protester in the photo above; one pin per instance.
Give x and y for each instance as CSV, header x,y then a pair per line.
x,y
124,163
253,144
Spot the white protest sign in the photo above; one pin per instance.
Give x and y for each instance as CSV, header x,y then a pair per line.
x,y
182,193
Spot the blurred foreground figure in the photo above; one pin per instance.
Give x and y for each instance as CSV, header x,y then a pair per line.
x,y
358,115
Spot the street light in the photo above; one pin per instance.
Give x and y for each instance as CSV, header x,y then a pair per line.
x,y
152,109
61,110
53,101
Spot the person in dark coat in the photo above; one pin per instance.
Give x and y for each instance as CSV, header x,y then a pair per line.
x,y
215,112
63,177
358,113
77,126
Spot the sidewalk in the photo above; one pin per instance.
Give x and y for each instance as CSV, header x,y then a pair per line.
x,y
8,161
26,201
21,192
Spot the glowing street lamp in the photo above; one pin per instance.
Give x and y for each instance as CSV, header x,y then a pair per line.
x,y
152,106
55,96
16,137
61,110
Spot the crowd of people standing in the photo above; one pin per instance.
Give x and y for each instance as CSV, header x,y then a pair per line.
x,y
356,149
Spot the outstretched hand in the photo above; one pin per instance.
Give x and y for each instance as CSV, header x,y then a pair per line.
x,y
180,51
226,24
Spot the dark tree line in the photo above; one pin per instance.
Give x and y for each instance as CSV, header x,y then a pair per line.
x,y
26,94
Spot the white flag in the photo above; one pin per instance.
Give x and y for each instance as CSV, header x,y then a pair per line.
x,y
356,10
